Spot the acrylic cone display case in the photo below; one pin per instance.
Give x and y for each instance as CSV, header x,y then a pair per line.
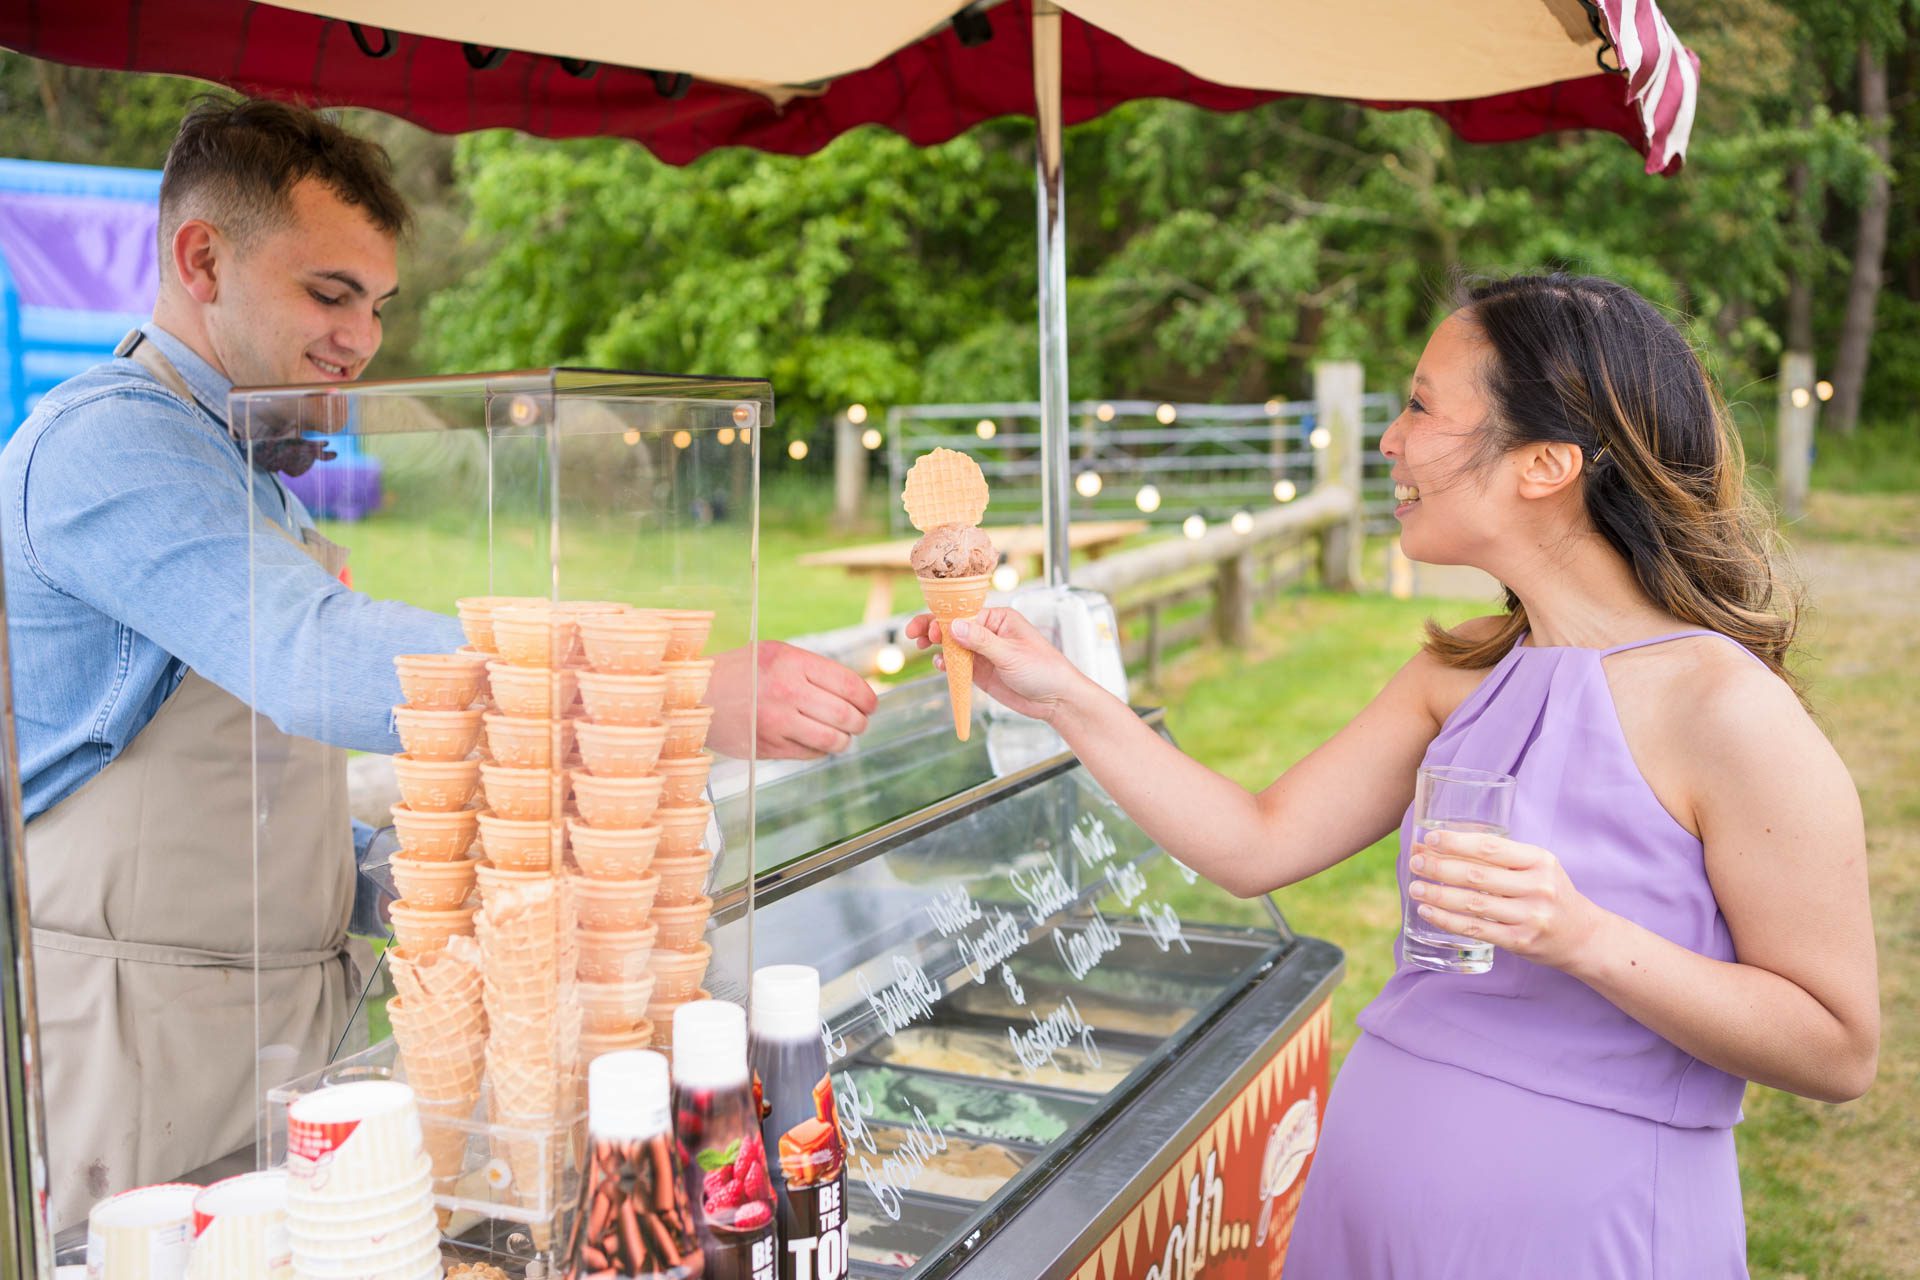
x,y
557,861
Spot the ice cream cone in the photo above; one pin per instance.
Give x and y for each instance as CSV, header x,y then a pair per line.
x,y
444,1135
950,600
449,976
441,1046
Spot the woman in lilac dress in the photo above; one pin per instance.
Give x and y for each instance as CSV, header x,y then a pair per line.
x,y
1682,904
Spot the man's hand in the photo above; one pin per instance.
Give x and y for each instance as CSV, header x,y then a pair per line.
x,y
809,705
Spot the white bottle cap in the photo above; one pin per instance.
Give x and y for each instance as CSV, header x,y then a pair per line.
x,y
709,1044
627,1095
786,1002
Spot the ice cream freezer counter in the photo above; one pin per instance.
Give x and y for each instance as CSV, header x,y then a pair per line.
x,y
1055,1050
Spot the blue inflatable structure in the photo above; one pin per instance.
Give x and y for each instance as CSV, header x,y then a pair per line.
x,y
78,268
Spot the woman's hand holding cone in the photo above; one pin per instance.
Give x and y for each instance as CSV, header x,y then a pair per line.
x,y
1012,661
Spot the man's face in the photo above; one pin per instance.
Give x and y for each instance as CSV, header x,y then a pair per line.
x,y
302,302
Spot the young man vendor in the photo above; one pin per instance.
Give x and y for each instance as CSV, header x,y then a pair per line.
x,y
129,576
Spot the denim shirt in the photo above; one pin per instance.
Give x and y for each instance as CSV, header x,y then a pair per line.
x,y
132,524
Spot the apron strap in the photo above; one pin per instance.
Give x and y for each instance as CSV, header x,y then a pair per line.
x,y
135,347
184,957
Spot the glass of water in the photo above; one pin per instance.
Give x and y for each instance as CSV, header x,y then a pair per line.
x,y
1446,798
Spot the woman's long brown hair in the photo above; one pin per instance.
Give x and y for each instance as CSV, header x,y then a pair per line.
x,y
1589,362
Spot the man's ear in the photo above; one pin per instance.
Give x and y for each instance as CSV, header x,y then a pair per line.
x,y
1548,468
199,253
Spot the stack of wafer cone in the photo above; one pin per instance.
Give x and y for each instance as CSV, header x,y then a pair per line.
x,y
533,1019
946,487
440,1027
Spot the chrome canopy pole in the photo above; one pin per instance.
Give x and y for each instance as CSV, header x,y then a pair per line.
x,y
26,1245
1055,455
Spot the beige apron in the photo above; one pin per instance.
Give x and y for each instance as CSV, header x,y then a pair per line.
x,y
154,1013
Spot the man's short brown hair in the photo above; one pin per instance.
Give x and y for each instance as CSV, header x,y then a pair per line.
x,y
236,164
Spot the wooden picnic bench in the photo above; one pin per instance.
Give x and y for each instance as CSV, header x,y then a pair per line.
x,y
881,563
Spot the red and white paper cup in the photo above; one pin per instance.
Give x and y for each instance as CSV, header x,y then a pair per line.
x,y
240,1229
401,1255
145,1234
351,1140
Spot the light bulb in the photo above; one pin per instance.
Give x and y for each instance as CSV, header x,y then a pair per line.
x,y
743,415
1148,499
1284,491
523,411
1273,408
1006,578
985,429
1320,438
797,450
1801,397
856,414
681,439
890,659
1242,522
746,435
870,438
1165,415
1088,484
631,435
1194,526
1104,413
1823,389
725,435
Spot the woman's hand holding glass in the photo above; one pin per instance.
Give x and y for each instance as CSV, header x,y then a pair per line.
x,y
1014,663
1516,896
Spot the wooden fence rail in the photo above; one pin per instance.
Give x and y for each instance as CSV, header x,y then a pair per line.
x,y
1152,586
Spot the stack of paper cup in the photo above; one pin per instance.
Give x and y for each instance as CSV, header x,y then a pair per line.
x,y
240,1229
360,1186
144,1234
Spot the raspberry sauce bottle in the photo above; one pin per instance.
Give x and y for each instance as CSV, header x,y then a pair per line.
x,y
717,1125
799,1122
634,1221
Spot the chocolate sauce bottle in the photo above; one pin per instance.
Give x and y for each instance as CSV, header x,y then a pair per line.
x,y
718,1128
634,1221
800,1124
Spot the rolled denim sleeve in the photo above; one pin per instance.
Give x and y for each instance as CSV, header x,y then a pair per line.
x,y
146,514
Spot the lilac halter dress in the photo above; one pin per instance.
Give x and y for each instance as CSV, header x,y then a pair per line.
x,y
1515,1123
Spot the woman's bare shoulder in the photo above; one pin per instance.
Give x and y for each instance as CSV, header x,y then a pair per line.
x,y
1443,687
1734,731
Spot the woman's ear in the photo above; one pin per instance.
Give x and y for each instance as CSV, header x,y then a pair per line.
x,y
1549,468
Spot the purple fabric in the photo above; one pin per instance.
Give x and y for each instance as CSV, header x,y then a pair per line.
x,y
81,253
1558,1074
345,489
1426,1171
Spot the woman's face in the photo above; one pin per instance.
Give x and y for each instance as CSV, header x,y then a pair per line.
x,y
1450,509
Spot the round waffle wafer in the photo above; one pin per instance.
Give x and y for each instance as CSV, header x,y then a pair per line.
x,y
944,487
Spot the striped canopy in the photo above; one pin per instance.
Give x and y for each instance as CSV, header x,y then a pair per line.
x,y
791,75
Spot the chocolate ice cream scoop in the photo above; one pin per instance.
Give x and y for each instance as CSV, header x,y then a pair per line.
x,y
954,551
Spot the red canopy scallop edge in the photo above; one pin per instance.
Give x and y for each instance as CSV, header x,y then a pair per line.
x,y
928,91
